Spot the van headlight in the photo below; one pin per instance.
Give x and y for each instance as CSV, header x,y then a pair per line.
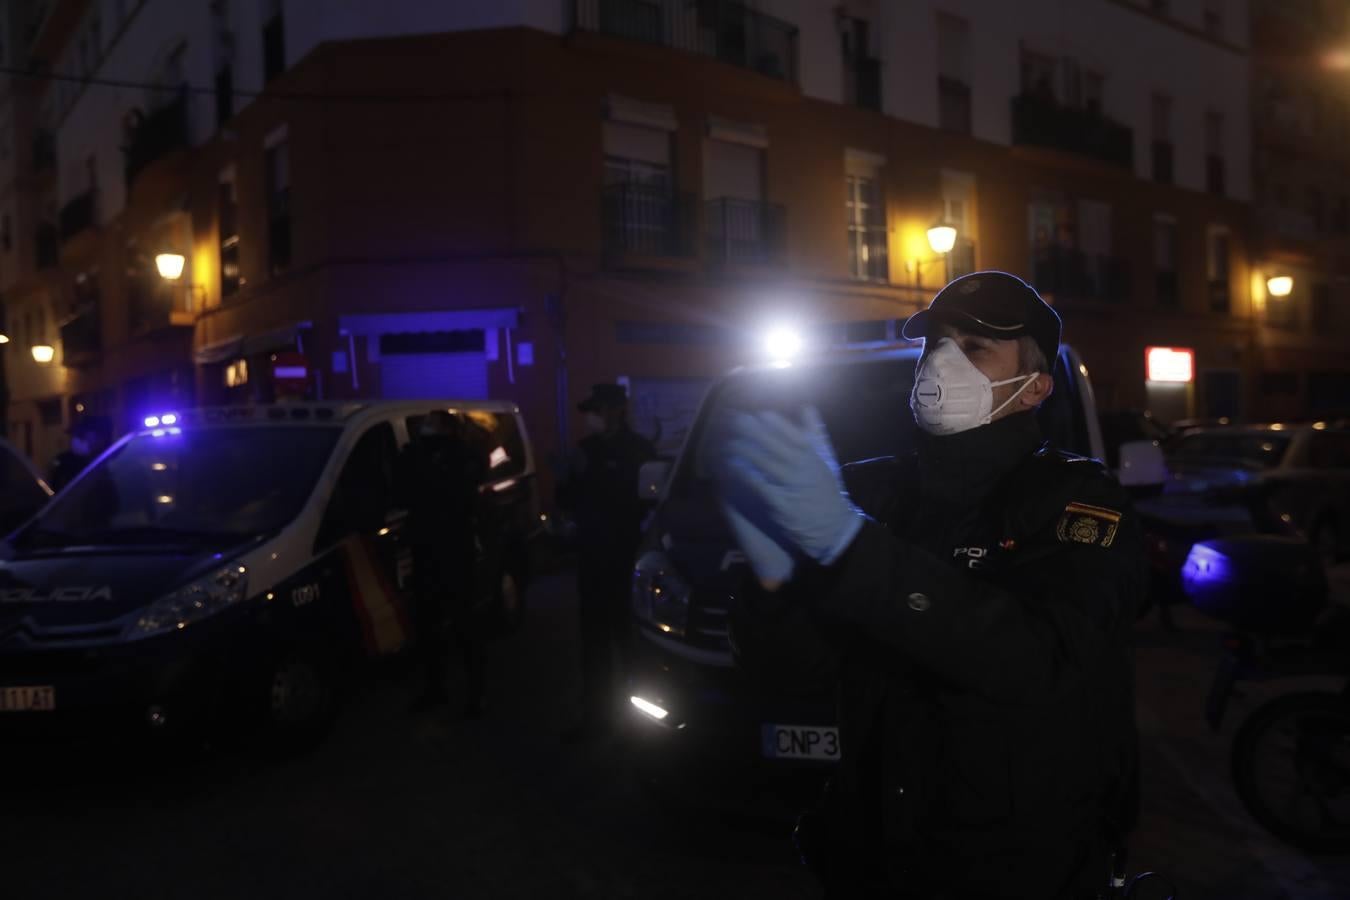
x,y
204,597
660,595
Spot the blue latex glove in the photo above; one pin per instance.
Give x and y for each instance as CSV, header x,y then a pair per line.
x,y
769,559
789,472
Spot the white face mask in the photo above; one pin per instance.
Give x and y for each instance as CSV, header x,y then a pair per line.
x,y
951,395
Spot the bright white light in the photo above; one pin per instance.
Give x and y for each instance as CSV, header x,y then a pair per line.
x,y
782,343
1280,285
43,353
4,338
498,457
649,708
942,238
169,419
164,498
382,532
1171,364
170,265
152,421
158,467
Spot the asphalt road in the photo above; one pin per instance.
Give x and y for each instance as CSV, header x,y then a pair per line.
x,y
397,806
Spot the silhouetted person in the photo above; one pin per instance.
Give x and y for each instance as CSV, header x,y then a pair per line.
x,y
89,437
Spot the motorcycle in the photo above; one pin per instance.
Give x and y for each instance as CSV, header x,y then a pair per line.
x,y
1290,758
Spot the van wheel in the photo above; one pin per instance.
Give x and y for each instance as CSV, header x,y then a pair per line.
x,y
301,702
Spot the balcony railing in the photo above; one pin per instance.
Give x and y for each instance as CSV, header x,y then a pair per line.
x,y
159,133
44,152
868,251
154,304
862,77
1075,275
78,214
80,337
1042,122
744,232
726,31
642,220
953,105
47,247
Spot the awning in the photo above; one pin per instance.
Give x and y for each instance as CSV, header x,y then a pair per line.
x,y
373,324
248,345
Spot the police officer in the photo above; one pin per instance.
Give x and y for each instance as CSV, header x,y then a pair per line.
x,y
602,492
89,437
440,472
979,595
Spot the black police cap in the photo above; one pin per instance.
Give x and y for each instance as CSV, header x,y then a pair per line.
x,y
993,304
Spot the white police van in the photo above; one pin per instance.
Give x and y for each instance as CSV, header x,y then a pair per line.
x,y
702,688
236,560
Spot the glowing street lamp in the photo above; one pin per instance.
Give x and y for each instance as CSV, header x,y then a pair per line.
x,y
170,265
4,338
942,238
43,353
1280,285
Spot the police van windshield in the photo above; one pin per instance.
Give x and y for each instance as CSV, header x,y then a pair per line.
x,y
196,486
865,406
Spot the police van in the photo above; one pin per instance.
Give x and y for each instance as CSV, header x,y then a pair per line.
x,y
700,685
22,490
238,560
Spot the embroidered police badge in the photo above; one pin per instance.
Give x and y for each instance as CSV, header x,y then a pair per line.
x,y
1084,524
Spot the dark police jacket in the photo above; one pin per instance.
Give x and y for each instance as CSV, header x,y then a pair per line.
x,y
985,684
602,492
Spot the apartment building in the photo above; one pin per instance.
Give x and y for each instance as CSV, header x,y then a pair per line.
x,y
520,199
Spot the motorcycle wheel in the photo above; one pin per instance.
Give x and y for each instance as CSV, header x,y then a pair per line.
x,y
1291,767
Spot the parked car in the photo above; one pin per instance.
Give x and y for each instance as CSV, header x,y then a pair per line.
x,y
235,560
1291,479
691,696
22,490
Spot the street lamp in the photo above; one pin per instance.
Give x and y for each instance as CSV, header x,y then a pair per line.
x,y
43,353
4,338
1280,285
941,239
170,265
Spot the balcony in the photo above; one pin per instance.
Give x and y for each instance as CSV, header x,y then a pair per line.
x,y
744,232
644,221
953,105
868,252
154,304
47,247
156,135
1042,122
78,214
81,339
729,32
862,82
44,153
1072,275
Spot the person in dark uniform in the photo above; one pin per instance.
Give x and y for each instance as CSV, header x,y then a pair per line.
x,y
439,472
89,437
601,490
978,596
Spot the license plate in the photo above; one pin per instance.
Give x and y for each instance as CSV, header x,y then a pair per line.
x,y
28,698
819,742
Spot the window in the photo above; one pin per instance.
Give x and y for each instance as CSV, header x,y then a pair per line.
x,y
277,165
865,209
229,235
1165,291
1214,164
862,69
958,210
274,40
639,203
1101,272
1162,139
223,39
740,226
953,74
1038,75
1216,261
364,494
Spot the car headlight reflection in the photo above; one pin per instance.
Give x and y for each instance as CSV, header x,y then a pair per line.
x,y
660,595
202,598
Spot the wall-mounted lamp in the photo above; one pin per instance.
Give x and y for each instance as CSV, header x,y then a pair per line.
x,y
43,353
1280,285
170,265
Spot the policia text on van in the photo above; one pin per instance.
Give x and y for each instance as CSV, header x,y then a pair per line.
x,y
235,560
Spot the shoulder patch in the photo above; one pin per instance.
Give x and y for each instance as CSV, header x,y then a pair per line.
x,y
1081,523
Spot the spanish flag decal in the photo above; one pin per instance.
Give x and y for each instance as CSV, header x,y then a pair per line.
x,y
376,602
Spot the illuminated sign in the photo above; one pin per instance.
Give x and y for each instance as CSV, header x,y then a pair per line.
x,y
1170,364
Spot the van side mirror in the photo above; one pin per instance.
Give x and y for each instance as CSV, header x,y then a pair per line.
x,y
1142,464
652,478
